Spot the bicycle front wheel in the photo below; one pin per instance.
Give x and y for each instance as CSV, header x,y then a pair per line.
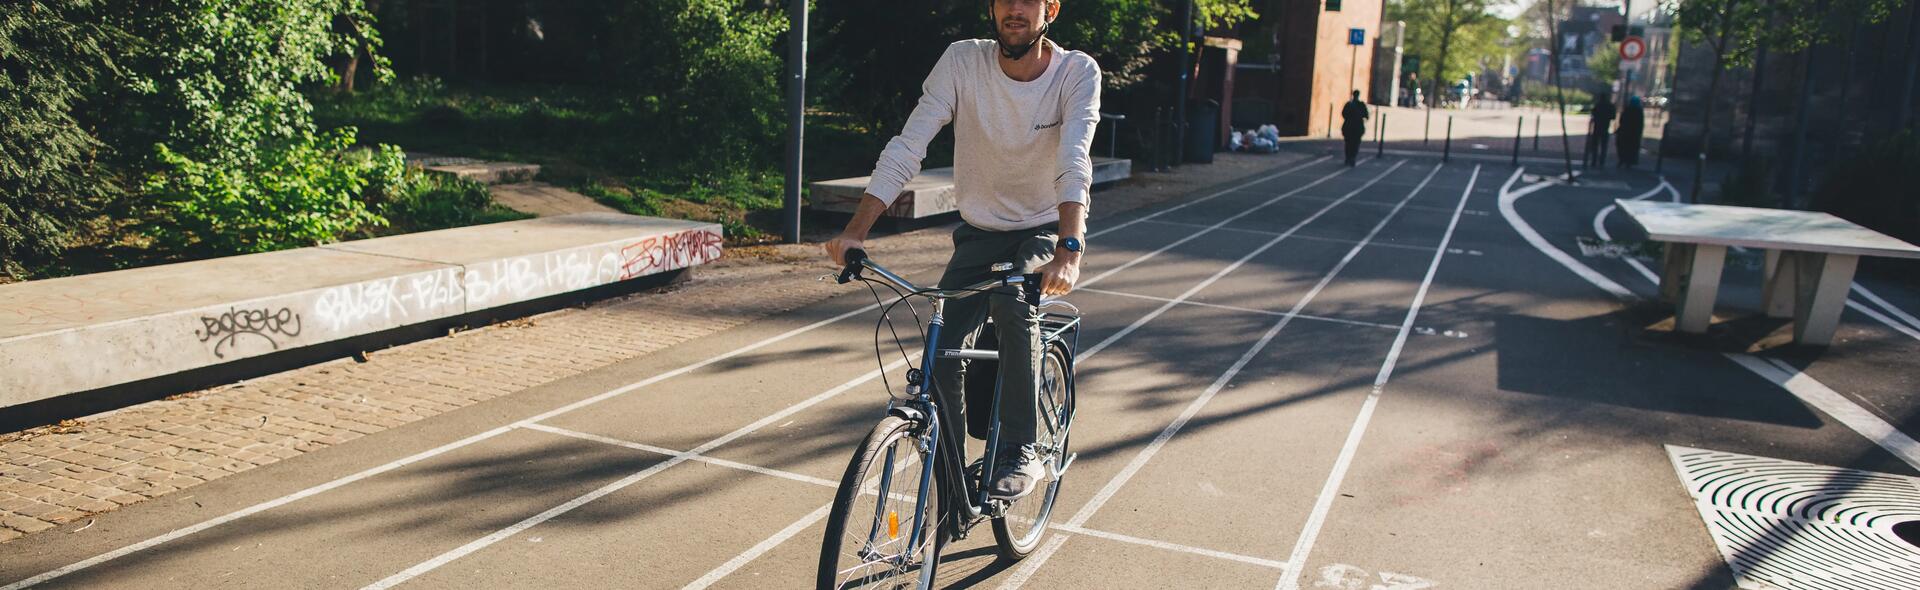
x,y
871,539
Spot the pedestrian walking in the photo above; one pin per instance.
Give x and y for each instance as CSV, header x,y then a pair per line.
x,y
1597,127
1354,128
1633,125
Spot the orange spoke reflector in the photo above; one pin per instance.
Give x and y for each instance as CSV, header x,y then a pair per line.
x,y
893,524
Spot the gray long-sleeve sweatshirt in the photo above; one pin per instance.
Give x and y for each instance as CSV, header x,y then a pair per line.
x,y
1020,148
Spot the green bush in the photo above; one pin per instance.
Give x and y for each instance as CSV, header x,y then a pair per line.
x,y
423,201
296,193
1541,94
52,54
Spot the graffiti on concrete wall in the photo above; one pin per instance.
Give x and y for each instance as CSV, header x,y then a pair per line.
x,y
451,291
670,252
266,324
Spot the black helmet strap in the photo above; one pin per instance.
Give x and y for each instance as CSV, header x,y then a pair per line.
x,y
1017,52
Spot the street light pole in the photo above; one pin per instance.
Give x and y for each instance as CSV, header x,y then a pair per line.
x,y
1186,67
796,114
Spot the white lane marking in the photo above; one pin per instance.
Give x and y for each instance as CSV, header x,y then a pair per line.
x,y
1223,223
1275,233
758,549
549,514
762,547
1169,546
1204,199
1600,229
1139,461
1236,264
1507,198
1242,309
1818,395
1801,385
1297,562
1891,309
417,457
715,461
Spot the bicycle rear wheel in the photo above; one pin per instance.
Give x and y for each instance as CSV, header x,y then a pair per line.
x,y
1019,531
870,540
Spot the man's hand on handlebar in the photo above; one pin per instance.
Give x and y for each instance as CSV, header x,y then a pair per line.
x,y
1057,276
838,246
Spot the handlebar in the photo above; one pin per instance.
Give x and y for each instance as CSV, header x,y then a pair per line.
x,y
858,262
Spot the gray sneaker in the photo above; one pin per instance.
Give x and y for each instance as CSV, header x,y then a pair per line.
x,y
1017,475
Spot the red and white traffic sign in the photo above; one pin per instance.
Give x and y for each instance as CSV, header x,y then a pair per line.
x,y
1632,49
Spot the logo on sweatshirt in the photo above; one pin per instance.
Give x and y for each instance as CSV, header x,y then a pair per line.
x,y
1047,126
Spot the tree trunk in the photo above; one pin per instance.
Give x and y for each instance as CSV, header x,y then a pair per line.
x,y
1439,78
1753,102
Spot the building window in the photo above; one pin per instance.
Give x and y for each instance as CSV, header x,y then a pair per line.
x,y
1333,5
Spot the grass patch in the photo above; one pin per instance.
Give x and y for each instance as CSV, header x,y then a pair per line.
x,y
611,147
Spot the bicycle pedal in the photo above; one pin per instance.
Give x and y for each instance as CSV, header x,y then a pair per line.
x,y
996,508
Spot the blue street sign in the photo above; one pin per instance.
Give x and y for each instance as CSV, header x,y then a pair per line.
x,y
1356,36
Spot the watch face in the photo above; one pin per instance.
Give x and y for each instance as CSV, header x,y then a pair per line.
x,y
1071,244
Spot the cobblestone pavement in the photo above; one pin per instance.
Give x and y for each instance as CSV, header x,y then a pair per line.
x,y
64,473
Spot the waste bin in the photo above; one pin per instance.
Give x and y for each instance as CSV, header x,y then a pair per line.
x,y
1203,128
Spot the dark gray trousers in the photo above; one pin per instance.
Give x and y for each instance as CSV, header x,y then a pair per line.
x,y
1016,324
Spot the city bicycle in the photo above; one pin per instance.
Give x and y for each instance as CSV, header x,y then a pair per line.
x,y
908,490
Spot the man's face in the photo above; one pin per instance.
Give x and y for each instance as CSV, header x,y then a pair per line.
x,y
1018,22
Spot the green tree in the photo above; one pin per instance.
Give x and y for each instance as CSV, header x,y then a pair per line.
x,y
219,92
52,54
1450,36
1605,64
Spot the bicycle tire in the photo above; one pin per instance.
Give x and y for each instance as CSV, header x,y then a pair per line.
x,y
1014,538
891,432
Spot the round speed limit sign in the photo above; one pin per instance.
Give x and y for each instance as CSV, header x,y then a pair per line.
x,y
1632,49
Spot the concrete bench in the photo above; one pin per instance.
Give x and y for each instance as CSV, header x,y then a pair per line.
x,y
930,193
74,334
1810,259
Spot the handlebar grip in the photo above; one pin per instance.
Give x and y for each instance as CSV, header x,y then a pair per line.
x,y
1030,288
854,257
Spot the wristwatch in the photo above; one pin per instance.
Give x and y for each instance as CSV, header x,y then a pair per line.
x,y
1072,244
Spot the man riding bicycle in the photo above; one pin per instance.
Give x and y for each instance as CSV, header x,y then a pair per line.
x,y
1023,112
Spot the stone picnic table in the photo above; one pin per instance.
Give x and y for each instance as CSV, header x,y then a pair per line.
x,y
1810,260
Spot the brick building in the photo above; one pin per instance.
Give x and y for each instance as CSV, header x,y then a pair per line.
x,y
1295,67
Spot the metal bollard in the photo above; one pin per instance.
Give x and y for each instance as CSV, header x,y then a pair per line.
x,y
1446,150
1427,132
1536,133
1519,129
1380,138
1330,109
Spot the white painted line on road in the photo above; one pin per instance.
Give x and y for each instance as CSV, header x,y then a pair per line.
x,y
1818,395
1120,480
1243,309
1303,547
1223,223
1600,228
1213,196
817,515
549,514
1275,233
1891,309
417,457
767,545
1202,285
1169,546
1507,198
715,461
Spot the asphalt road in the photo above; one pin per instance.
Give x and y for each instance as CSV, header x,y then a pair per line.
x,y
1319,378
